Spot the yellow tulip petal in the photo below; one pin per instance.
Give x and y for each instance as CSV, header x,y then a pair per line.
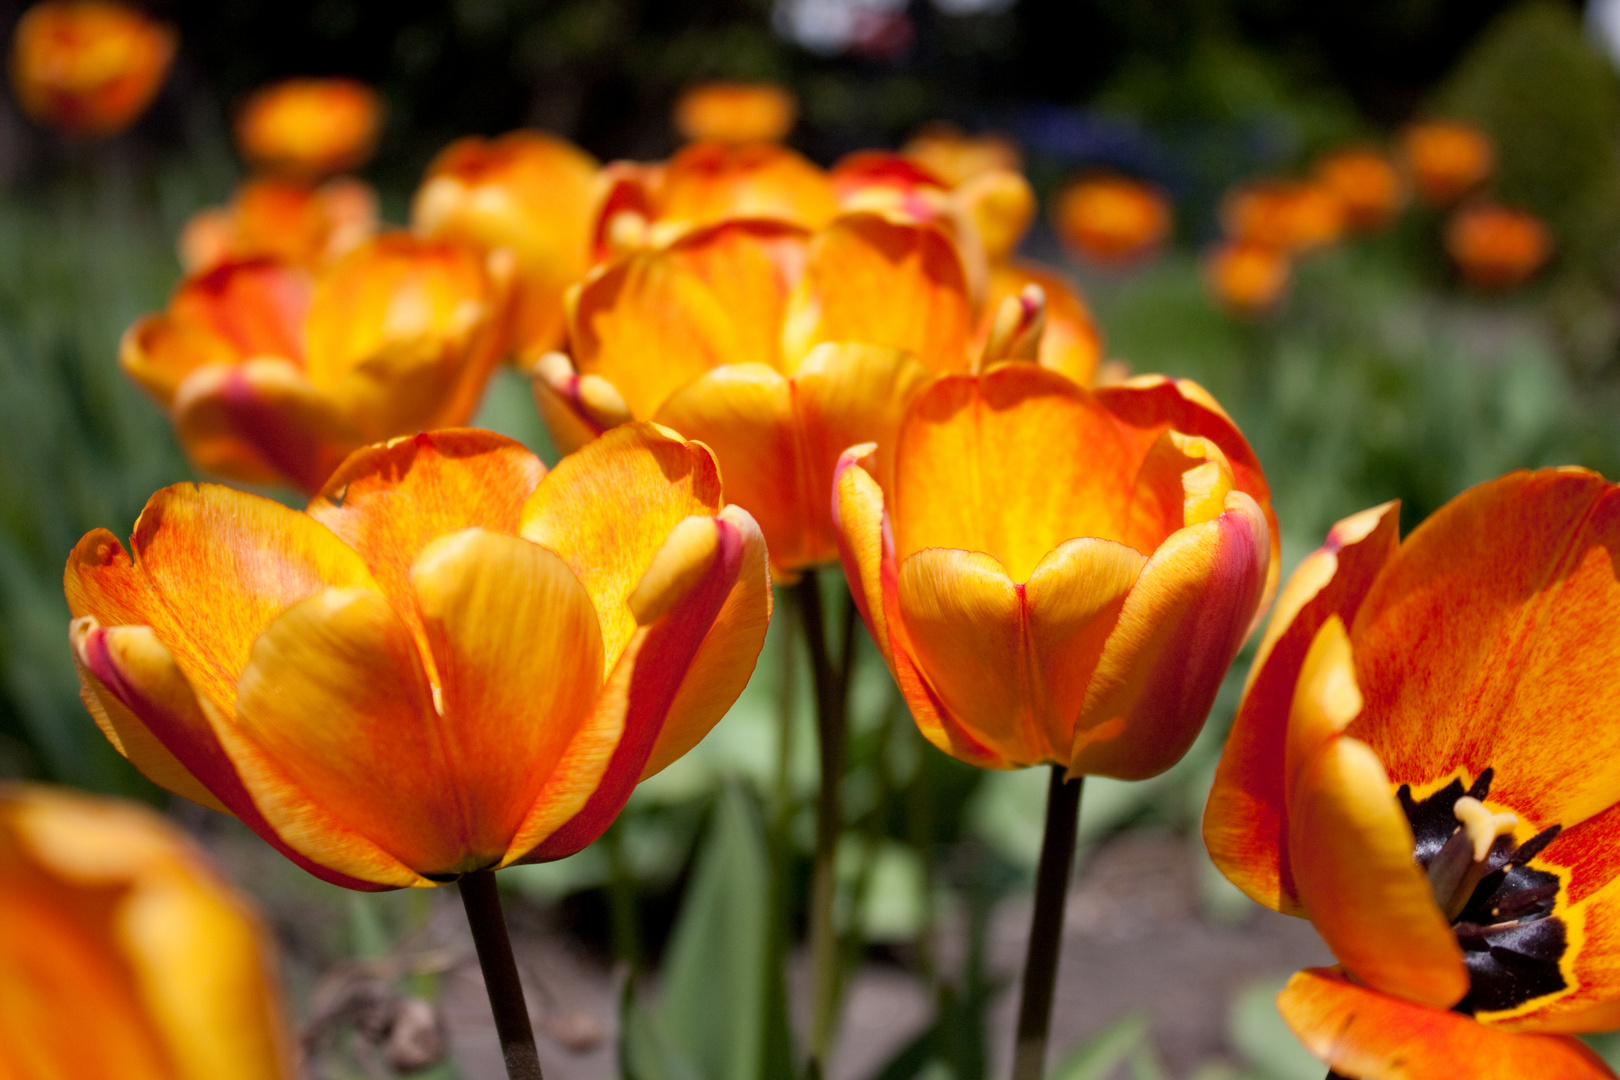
x,y
1353,867
864,543
709,182
515,639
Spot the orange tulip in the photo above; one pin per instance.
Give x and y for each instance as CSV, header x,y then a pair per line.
x,y
526,191
1249,279
122,954
1366,185
704,184
1112,219
956,158
452,662
1071,342
284,220
1496,248
310,127
1292,216
736,113
88,67
1448,159
1425,765
1055,575
272,373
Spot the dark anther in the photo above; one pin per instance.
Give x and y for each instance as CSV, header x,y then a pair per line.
x,y
1482,786
1533,846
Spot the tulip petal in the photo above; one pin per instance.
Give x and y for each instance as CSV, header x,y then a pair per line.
x,y
1182,624
1011,463
212,568
159,352
1245,821
336,700
1363,1033
257,305
261,422
607,509
146,706
865,545
389,501
1493,636
707,182
673,680
1353,867
652,321
1071,344
925,307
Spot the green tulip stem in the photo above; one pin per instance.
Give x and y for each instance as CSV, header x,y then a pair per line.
x,y
1046,926
832,691
483,903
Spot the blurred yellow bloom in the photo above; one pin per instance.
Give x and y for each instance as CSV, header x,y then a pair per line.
x,y
310,128
1447,158
736,113
955,157
1366,184
274,373
1112,219
122,954
88,67
1249,279
531,193
281,219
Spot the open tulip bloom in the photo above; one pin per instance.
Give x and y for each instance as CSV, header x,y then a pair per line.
x,y
1426,764
453,662
1058,576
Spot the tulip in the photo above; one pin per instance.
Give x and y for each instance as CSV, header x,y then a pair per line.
x,y
122,953
509,650
309,128
1287,215
704,184
1247,278
88,67
1366,185
1425,765
1496,248
272,373
1447,158
282,219
528,192
736,113
1055,575
1111,219
956,158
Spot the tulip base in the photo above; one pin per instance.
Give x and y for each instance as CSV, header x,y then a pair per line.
x,y
483,905
1046,926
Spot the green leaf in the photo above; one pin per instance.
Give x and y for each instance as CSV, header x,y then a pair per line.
x,y
645,1053
721,1000
1265,1040
1105,1051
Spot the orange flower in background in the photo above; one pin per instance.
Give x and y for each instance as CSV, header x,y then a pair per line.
x,y
509,651
1425,765
122,954
1112,219
1248,279
706,183
272,373
282,219
88,67
1496,248
1056,575
310,128
1366,184
736,112
531,193
955,157
763,341
1288,215
1447,158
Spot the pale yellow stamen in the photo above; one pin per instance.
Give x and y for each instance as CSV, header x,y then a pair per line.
x,y
1482,825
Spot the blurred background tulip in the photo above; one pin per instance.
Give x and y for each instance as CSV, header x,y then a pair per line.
x,y
1447,158
957,157
283,220
310,128
1111,219
273,372
1249,279
1366,184
88,67
735,113
527,192
1294,216
1496,248
123,953
1421,766
514,649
